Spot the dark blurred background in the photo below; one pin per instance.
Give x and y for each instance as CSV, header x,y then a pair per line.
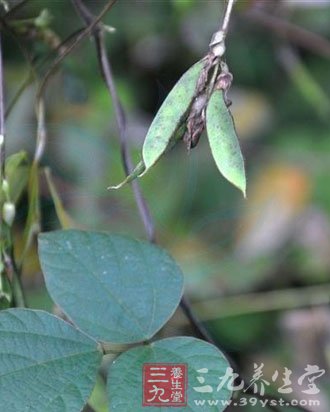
x,y
257,270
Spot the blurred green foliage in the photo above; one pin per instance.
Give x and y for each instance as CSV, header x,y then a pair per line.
x,y
279,238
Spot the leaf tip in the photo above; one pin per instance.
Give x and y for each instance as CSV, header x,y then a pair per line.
x,y
238,182
241,186
137,172
144,172
116,187
243,189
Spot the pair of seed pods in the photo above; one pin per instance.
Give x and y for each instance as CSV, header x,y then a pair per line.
x,y
170,125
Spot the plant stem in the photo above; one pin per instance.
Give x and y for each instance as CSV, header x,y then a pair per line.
x,y
76,41
121,123
218,41
292,33
2,159
272,301
32,75
6,241
14,276
14,9
226,19
41,132
2,120
106,70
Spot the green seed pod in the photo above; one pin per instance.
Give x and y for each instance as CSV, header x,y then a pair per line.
x,y
170,116
224,142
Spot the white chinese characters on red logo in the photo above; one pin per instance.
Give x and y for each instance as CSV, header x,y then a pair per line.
x,y
165,384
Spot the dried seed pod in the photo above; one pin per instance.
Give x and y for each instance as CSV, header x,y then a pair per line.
x,y
223,141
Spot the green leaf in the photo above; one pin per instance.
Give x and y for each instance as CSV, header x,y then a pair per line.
x,y
45,363
115,288
170,116
125,374
224,142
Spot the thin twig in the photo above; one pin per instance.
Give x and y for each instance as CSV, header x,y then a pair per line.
x,y
270,301
24,52
303,79
226,19
7,254
198,327
121,123
14,275
2,142
72,46
15,9
2,118
41,131
295,34
217,44
106,70
32,75
41,140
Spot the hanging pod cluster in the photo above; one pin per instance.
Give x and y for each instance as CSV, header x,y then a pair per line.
x,y
198,101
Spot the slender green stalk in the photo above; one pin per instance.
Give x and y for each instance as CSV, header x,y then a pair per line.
x,y
226,19
275,300
7,212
